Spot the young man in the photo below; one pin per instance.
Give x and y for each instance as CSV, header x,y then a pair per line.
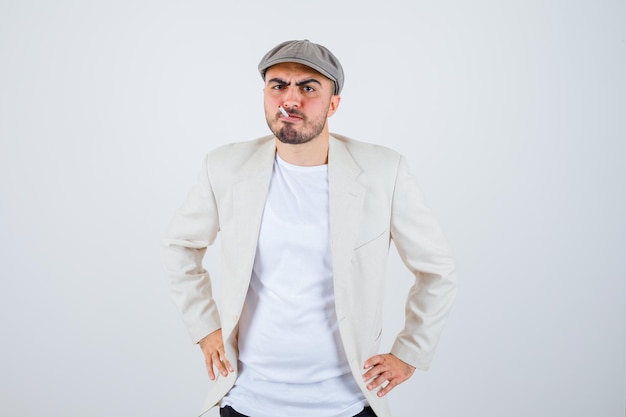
x,y
306,219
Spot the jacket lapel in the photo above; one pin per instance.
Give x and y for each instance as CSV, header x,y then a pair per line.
x,y
249,195
346,197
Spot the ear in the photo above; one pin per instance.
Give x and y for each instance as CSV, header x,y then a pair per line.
x,y
333,105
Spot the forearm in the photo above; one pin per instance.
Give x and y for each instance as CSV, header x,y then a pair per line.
x,y
193,228
427,308
191,290
426,253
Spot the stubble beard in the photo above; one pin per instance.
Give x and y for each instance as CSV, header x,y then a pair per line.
x,y
287,133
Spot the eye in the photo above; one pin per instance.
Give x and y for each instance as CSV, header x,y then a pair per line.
x,y
277,87
308,89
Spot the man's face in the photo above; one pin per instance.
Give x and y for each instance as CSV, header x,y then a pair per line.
x,y
305,94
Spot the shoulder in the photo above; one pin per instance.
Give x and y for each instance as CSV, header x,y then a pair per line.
x,y
368,153
243,149
236,154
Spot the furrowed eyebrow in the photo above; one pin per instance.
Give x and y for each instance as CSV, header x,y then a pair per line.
x,y
278,81
298,84
308,81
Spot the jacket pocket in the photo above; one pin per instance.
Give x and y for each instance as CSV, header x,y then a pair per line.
x,y
378,335
367,241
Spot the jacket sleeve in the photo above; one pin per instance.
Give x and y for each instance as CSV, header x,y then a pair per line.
x,y
193,228
424,250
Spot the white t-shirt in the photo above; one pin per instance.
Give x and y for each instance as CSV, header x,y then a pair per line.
x,y
291,360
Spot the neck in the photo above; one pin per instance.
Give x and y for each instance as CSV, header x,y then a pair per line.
x,y
311,153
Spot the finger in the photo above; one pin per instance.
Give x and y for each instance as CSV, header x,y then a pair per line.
x,y
227,364
217,362
376,364
373,361
224,362
385,390
374,372
209,368
379,380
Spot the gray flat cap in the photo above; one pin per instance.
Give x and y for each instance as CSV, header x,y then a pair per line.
x,y
307,53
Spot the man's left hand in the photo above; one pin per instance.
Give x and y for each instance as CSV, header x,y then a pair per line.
x,y
386,368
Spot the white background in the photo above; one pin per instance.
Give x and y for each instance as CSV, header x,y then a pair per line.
x,y
510,113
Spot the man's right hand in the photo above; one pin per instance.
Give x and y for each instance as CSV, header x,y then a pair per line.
x,y
214,356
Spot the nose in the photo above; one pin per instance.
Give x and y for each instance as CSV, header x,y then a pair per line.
x,y
292,98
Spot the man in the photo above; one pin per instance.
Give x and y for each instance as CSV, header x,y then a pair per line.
x,y
305,220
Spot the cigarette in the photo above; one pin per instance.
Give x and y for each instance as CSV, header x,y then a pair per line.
x,y
283,111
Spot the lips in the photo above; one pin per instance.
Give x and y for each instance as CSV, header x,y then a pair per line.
x,y
291,118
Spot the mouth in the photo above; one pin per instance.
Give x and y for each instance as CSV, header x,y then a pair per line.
x,y
291,116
